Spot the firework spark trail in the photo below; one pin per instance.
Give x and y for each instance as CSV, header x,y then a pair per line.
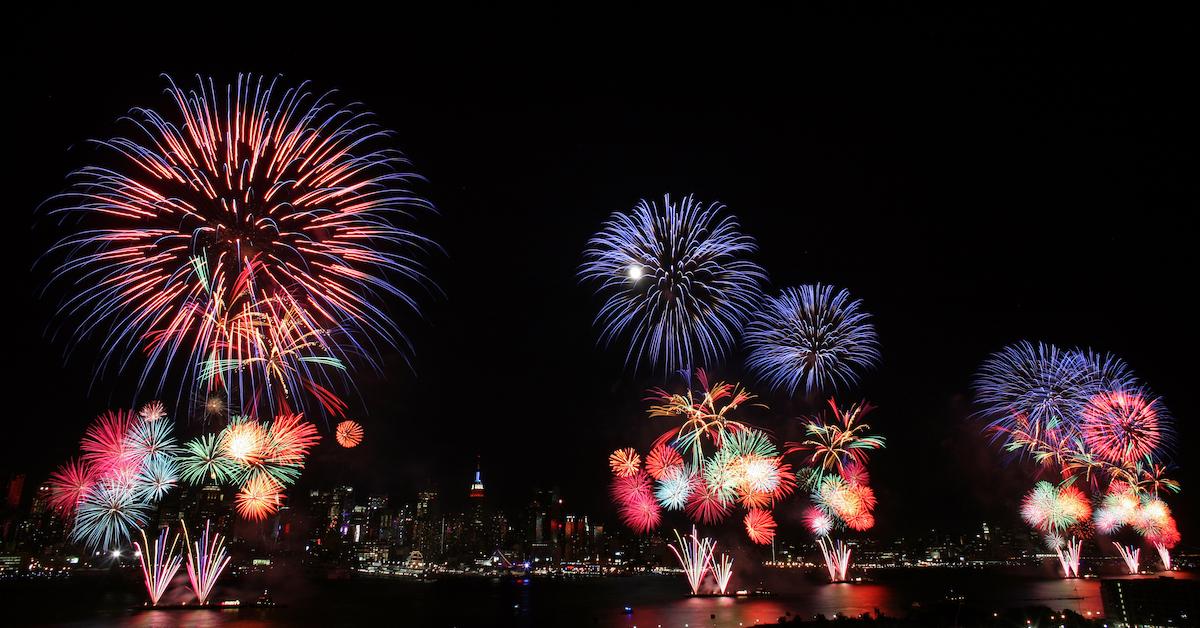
x,y
251,238
205,565
675,281
160,565
837,558
809,339
1069,553
695,556
722,570
1131,555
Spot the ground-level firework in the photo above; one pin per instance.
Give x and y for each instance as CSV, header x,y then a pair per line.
x,y
695,556
722,570
837,558
206,559
1131,555
159,564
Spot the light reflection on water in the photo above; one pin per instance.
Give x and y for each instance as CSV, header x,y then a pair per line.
x,y
654,601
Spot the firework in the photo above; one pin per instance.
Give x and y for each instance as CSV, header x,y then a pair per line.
x,y
149,440
241,200
695,556
1131,555
1068,552
1165,538
661,460
349,434
760,526
722,570
203,460
1044,385
706,415
625,462
675,281
818,522
259,498
159,565
674,488
69,484
1123,426
158,475
1051,508
809,340
105,443
837,558
206,559
705,506
244,441
839,442
108,513
152,411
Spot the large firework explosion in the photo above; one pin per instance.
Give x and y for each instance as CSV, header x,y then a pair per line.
x,y
1085,420
249,236
835,452
811,340
676,282
708,466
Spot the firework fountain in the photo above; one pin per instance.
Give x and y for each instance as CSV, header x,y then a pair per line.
x,y
837,558
206,559
695,556
722,570
1130,554
159,565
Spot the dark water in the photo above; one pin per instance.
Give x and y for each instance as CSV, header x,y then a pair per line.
x,y
655,600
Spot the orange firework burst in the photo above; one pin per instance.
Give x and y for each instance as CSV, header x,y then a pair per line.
x,y
625,462
153,411
662,458
349,434
760,526
244,441
259,498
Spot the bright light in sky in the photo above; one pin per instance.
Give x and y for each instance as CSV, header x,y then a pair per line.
x,y
635,272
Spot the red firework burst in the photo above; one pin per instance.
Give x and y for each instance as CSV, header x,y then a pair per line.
x,y
641,513
104,444
662,457
1123,426
705,506
69,484
760,526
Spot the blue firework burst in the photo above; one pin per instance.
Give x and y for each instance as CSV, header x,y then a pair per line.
x,y
676,282
811,339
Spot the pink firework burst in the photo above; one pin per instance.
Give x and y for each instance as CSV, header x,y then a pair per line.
x,y
1123,426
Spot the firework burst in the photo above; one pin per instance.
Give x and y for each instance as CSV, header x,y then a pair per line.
x,y
1123,426
203,460
348,434
244,206
259,498
760,526
675,281
108,513
811,340
69,484
625,462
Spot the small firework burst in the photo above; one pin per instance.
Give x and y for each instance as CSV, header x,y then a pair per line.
x,y
348,434
625,462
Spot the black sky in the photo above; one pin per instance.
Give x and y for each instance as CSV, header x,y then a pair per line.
x,y
975,182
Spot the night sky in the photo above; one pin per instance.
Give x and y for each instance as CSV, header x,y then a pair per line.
x,y
975,184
